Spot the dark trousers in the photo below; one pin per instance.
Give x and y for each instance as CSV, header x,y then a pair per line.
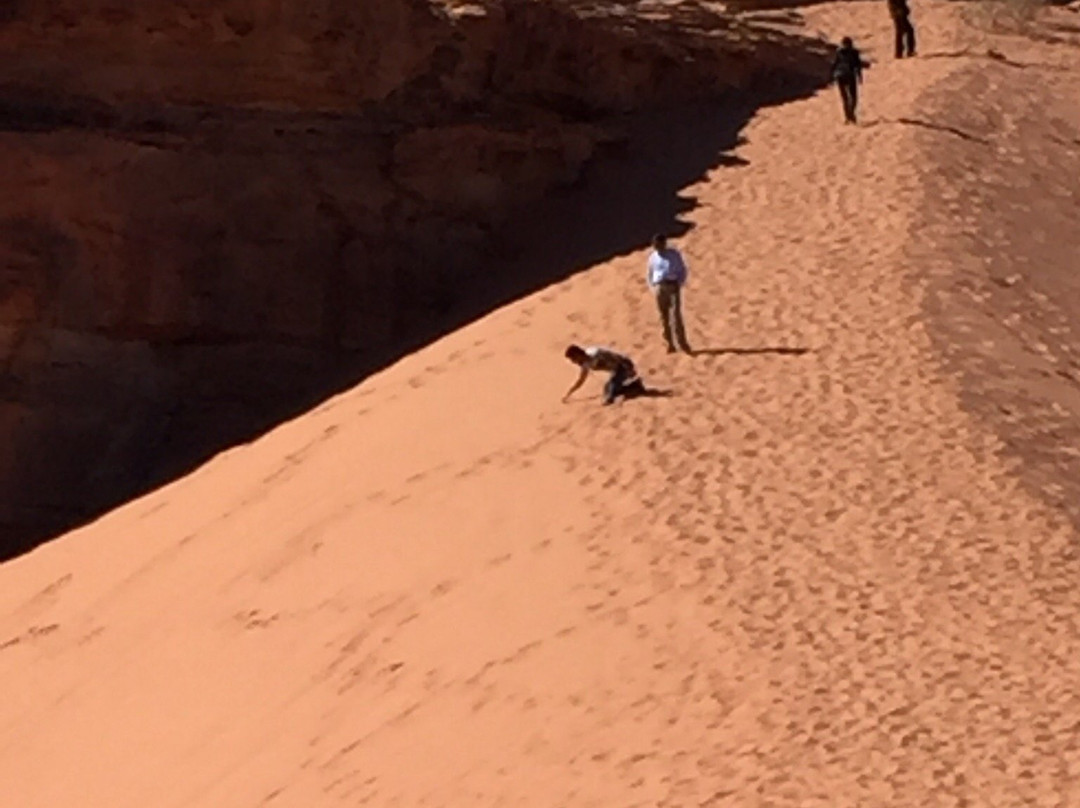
x,y
905,37
623,382
849,95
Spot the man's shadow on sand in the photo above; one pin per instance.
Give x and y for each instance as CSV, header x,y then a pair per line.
x,y
647,392
779,351
639,390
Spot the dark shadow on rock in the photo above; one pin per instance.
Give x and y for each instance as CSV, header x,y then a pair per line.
x,y
732,161
629,191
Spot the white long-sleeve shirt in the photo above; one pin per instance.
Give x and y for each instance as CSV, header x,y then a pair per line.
x,y
666,265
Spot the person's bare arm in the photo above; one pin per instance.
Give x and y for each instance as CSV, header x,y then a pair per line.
x,y
580,381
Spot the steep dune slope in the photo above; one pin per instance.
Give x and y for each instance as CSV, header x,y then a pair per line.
x,y
807,578
218,214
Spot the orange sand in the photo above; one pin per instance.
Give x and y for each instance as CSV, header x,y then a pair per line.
x,y
804,580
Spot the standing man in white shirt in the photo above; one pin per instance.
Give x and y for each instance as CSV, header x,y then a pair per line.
x,y
666,276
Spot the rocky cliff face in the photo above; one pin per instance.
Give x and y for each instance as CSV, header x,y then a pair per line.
x,y
215,212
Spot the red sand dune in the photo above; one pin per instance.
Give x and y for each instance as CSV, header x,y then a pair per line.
x,y
803,580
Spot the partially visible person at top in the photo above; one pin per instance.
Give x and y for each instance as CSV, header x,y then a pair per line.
x,y
905,31
847,70
623,380
666,276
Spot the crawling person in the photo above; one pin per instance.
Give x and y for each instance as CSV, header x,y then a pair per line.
x,y
623,381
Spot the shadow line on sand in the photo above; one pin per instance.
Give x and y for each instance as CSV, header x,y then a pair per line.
x,y
649,392
993,56
778,351
936,127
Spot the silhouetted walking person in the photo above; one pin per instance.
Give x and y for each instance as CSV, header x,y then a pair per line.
x,y
847,70
666,275
623,381
905,31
